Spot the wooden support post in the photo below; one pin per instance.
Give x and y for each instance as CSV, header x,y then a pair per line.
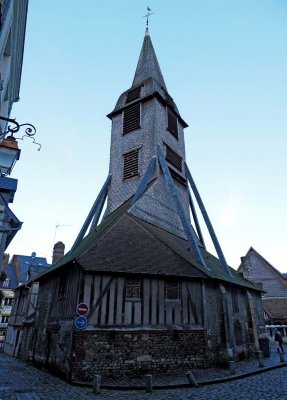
x,y
191,379
281,356
149,383
232,367
97,384
260,359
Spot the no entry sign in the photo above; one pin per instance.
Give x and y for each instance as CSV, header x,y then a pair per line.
x,y
82,309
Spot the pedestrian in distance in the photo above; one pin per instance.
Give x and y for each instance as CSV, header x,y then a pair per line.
x,y
278,339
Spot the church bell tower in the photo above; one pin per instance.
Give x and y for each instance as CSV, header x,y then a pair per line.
x,y
148,170
144,118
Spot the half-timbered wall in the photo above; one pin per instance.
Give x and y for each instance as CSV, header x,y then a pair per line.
x,y
154,302
64,294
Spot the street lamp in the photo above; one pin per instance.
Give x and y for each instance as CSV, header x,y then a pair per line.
x,y
30,131
9,154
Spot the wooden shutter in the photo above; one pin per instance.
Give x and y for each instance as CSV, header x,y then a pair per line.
x,y
132,118
131,164
173,158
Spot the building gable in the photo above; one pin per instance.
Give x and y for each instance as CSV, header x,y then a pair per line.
x,y
262,272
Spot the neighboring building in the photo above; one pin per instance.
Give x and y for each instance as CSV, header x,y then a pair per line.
x,y
13,17
258,270
21,320
18,271
157,300
24,308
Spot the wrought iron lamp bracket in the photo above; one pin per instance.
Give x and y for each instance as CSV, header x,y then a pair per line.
x,y
30,130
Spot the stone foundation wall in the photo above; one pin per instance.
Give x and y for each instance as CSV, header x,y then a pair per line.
x,y
133,353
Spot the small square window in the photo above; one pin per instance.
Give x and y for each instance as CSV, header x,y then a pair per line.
x,y
172,291
133,289
6,283
8,301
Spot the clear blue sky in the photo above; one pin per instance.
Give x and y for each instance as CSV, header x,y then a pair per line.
x,y
224,63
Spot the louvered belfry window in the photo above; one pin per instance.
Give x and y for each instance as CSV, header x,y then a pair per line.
x,y
172,291
133,94
172,123
132,118
131,164
173,158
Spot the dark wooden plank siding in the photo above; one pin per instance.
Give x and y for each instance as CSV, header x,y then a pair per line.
x,y
109,307
65,307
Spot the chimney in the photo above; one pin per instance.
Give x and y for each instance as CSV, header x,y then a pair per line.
x,y
58,252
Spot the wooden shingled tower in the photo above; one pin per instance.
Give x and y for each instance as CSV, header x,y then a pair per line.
x,y
157,300
147,160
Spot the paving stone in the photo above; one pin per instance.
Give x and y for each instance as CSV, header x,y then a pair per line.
x,y
21,381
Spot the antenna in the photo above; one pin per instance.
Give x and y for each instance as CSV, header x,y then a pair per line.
x,y
56,230
148,14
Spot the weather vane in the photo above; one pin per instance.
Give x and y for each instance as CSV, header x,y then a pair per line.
x,y
148,14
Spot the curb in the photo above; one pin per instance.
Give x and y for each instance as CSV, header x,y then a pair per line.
x,y
201,383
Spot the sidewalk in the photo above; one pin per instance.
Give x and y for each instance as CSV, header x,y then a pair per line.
x,y
203,377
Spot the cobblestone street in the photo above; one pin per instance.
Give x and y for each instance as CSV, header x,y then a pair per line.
x,y
21,381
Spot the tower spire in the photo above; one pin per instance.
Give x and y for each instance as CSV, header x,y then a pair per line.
x,y
148,66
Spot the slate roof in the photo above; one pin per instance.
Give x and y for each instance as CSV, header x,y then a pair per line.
x,y
276,308
129,247
19,273
123,243
35,264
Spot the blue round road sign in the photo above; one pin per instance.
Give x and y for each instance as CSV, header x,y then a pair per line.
x,y
81,322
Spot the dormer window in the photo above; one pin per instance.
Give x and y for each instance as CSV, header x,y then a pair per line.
x,y
131,164
132,118
6,283
133,94
173,158
172,123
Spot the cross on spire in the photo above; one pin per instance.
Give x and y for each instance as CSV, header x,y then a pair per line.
x,y
148,14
